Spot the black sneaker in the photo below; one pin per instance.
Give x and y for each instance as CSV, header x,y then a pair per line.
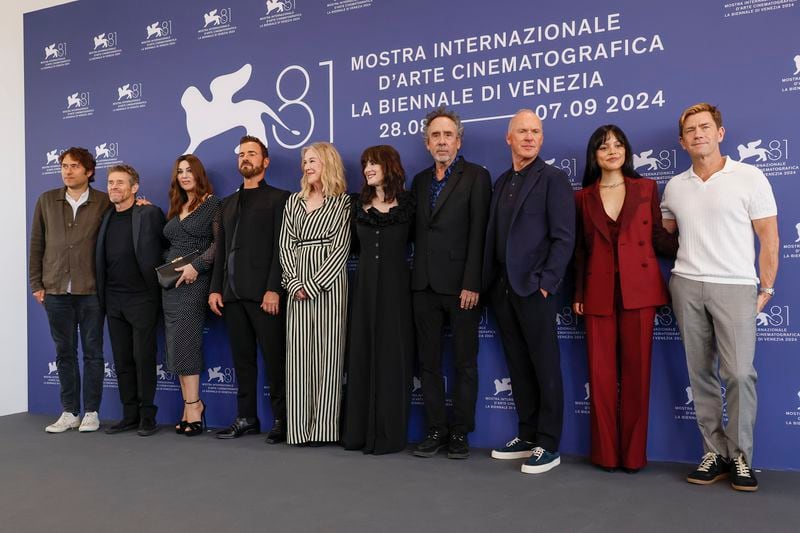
x,y
712,468
147,427
742,476
434,441
125,424
458,447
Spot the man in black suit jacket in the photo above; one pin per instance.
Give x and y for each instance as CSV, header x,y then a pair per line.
x,y
452,200
247,283
130,245
529,242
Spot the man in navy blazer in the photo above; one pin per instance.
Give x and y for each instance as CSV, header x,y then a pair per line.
x,y
130,245
529,243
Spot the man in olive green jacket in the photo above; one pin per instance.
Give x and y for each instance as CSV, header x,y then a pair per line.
x,y
62,278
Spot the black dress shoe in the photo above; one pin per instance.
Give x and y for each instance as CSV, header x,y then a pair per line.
x,y
277,433
123,425
147,427
240,426
434,441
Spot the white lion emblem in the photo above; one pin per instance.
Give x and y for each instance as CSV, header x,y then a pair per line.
x,y
502,385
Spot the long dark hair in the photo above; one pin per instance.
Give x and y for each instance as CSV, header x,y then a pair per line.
x,y
202,187
394,176
592,171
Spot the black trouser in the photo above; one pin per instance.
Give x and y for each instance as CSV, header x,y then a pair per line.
x,y
247,325
430,311
527,327
132,324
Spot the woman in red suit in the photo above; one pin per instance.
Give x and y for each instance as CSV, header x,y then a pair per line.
x,y
618,288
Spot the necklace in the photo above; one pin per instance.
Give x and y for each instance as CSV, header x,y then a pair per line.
x,y
611,186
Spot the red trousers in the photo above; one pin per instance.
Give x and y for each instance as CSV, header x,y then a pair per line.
x,y
619,350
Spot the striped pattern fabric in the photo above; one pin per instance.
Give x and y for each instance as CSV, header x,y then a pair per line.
x,y
313,251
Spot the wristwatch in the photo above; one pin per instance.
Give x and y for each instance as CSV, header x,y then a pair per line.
x,y
767,290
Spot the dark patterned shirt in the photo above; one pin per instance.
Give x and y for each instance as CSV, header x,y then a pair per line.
x,y
437,186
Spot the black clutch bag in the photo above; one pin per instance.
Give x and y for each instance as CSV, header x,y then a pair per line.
x,y
167,275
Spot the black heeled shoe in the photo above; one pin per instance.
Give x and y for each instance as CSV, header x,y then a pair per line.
x,y
196,428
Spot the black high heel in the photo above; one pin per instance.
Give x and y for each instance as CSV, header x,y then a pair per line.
x,y
196,428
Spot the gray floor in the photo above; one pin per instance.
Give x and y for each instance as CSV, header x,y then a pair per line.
x,y
121,483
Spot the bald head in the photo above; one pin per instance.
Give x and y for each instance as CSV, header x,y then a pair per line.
x,y
525,137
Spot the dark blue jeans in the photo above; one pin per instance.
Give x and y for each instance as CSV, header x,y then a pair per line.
x,y
70,315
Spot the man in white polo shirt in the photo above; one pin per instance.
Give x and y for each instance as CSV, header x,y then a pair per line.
x,y
718,204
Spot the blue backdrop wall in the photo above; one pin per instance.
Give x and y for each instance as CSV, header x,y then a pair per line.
x,y
143,82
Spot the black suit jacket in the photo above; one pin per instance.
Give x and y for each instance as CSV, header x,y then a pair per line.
x,y
541,237
257,268
147,223
448,247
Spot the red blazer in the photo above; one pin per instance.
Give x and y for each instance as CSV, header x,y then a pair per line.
x,y
641,235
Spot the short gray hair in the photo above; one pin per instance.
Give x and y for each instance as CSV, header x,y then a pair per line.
x,y
125,169
441,111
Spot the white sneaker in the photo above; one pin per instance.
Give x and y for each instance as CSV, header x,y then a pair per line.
x,y
90,422
65,421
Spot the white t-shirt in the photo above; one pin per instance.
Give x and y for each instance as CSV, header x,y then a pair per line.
x,y
75,204
714,222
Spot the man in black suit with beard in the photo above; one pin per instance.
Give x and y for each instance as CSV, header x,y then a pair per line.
x,y
247,283
452,200
130,245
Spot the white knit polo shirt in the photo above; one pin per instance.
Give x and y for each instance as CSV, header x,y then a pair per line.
x,y
714,217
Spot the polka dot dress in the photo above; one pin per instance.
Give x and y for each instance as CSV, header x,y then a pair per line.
x,y
185,307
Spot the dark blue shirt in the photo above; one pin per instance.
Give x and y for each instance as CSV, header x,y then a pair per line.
x,y
507,199
437,186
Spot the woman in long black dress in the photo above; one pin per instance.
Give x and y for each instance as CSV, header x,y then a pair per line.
x,y
381,335
192,222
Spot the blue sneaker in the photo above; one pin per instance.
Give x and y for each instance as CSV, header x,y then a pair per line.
x,y
541,461
514,449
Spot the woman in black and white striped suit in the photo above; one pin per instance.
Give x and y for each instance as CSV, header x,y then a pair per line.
x,y
314,246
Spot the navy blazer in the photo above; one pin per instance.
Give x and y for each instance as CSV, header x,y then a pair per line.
x,y
147,224
542,232
448,241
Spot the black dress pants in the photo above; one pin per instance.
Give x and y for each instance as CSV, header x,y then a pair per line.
x,y
132,321
247,325
527,327
430,311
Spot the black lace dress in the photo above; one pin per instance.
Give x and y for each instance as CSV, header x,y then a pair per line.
x,y
380,353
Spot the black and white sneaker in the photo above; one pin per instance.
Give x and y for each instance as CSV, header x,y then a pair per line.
x,y
516,448
541,461
712,468
742,476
